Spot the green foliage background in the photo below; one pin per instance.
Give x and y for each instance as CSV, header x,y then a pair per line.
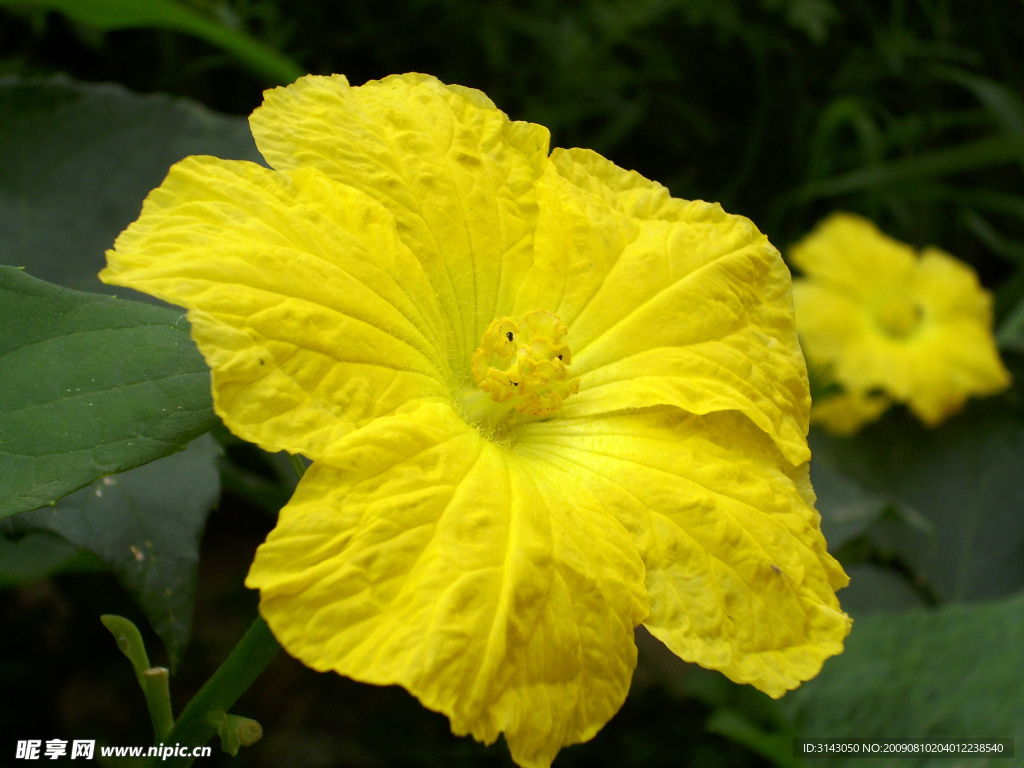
x,y
910,112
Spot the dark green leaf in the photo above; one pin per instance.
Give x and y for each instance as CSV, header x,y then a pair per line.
x,y
847,509
92,385
40,555
963,481
145,525
170,14
957,672
877,589
77,161
774,746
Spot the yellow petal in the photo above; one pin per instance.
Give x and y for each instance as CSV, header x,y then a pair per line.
x,y
420,554
828,320
846,412
959,308
737,571
840,336
311,313
849,254
667,302
454,171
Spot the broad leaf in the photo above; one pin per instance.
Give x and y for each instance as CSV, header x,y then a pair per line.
x,y
877,589
959,490
953,673
40,555
76,161
92,386
847,509
145,525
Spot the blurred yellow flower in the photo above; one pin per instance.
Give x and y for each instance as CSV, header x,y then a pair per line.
x,y
888,325
843,413
545,403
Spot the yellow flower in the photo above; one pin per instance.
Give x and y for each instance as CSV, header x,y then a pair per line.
x,y
545,403
887,324
844,413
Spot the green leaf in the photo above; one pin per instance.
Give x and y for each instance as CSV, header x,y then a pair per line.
x,y
76,161
957,672
38,556
145,525
877,589
961,479
168,14
92,386
774,746
847,509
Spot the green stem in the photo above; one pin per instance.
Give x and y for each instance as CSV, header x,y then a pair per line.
x,y
152,680
155,683
248,659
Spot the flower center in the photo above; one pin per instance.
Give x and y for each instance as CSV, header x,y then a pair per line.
x,y
898,316
520,366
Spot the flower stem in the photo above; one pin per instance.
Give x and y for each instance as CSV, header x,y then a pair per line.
x,y
156,684
193,729
152,680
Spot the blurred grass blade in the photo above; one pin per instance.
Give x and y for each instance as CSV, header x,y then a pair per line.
x,y
846,111
985,199
1010,334
926,166
169,14
1011,250
1002,104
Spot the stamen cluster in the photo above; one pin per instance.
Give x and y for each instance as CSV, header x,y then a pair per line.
x,y
526,364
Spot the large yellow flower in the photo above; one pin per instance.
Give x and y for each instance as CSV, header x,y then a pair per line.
x,y
545,402
887,324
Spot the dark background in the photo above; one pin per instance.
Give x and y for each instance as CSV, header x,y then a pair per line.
x,y
782,110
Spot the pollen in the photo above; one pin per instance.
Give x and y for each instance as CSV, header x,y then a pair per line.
x,y
526,363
